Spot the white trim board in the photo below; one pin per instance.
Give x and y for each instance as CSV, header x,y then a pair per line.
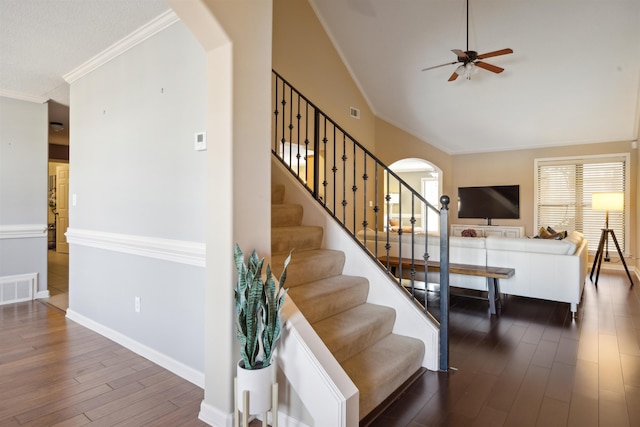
x,y
178,368
184,252
22,231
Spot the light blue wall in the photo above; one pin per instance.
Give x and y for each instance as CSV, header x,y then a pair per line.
x,y
23,187
136,175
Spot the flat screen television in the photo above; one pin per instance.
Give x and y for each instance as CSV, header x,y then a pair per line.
x,y
490,202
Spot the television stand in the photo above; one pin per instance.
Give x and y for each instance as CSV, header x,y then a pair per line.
x,y
489,230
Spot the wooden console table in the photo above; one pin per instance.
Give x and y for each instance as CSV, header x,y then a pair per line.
x,y
491,273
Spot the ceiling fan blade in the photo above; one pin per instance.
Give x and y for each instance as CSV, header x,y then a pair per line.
x,y
459,53
453,77
489,67
495,53
438,66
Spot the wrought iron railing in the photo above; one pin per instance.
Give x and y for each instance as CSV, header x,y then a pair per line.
x,y
383,213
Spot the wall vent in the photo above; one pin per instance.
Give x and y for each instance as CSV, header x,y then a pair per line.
x,y
18,288
354,112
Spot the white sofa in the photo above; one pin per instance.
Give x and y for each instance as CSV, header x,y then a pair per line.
x,y
553,270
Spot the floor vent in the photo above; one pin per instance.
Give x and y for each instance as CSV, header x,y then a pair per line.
x,y
18,288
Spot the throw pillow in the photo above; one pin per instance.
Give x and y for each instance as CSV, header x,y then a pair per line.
x,y
557,235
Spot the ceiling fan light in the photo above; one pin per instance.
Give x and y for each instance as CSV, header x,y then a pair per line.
x,y
461,70
56,126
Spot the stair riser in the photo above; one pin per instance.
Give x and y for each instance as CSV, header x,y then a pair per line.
x,y
310,266
286,215
326,305
347,335
283,239
277,194
382,369
298,274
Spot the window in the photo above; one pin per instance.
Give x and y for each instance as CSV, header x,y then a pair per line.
x,y
563,195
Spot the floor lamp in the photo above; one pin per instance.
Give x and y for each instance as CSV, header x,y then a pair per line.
x,y
607,202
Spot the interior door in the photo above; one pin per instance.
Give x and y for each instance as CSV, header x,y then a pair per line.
x,y
62,207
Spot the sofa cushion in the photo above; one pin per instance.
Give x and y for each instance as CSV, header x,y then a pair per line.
x,y
467,242
565,246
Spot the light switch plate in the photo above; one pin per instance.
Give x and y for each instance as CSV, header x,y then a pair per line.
x,y
200,143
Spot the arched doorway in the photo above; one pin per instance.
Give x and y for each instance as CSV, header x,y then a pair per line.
x,y
425,178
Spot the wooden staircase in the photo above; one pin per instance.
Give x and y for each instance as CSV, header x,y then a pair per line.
x,y
357,333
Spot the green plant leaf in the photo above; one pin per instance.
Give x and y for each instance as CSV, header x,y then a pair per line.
x,y
258,304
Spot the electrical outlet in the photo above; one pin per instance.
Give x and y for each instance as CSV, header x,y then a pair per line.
x,y
137,304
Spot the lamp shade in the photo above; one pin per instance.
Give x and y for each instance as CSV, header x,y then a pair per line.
x,y
607,201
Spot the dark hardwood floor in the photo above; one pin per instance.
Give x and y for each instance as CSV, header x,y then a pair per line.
x,y
531,365
56,372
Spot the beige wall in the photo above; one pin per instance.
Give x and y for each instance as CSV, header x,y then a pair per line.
x,y
304,55
236,38
636,203
393,144
517,167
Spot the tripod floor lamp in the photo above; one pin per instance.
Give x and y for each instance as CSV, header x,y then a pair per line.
x,y
607,202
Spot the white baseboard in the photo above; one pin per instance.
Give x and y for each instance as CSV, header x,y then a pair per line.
x,y
216,418
178,368
286,421
42,294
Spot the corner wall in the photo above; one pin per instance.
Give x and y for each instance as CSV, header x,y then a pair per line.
x,y
23,190
236,39
138,227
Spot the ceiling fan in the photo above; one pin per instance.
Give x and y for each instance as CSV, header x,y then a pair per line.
x,y
470,59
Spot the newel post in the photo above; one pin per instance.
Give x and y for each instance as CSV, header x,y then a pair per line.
x,y
444,284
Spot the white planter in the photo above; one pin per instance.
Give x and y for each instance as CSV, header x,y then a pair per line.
x,y
258,382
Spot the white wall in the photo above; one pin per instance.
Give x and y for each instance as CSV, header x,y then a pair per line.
x,y
23,189
138,228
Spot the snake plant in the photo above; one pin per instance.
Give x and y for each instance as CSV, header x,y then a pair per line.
x,y
258,304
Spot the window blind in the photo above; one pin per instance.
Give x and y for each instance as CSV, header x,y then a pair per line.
x,y
563,195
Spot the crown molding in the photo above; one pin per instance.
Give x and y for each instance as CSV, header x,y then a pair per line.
x,y
141,34
23,96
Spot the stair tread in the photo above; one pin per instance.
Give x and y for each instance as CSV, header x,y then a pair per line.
x,y
382,368
348,333
326,297
296,228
